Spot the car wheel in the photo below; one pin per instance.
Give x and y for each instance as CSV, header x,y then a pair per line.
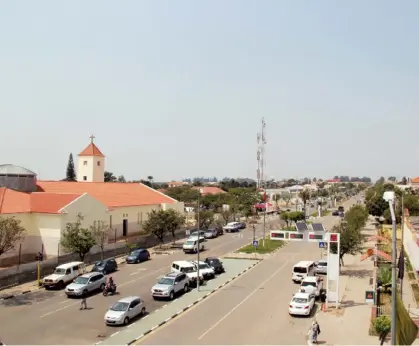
x,y
126,321
102,287
148,257
104,272
143,311
171,296
137,260
61,285
185,289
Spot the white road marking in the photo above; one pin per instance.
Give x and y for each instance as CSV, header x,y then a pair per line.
x,y
139,271
58,310
63,302
244,300
114,334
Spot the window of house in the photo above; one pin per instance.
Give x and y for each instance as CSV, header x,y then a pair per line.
x,y
84,163
84,177
98,163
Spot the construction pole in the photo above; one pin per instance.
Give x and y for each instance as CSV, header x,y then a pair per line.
x,y
198,243
393,274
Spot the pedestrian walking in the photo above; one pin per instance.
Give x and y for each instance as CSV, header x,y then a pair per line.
x,y
83,304
315,331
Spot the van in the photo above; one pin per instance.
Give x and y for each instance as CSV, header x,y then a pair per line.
x,y
321,267
64,274
301,270
191,244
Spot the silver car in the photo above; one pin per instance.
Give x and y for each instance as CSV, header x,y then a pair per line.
x,y
210,234
170,285
124,310
86,283
321,267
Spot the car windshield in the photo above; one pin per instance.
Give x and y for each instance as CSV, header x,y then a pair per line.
x,y
166,281
135,253
322,264
214,261
307,284
190,242
188,270
99,263
302,270
120,306
59,271
81,280
300,300
203,266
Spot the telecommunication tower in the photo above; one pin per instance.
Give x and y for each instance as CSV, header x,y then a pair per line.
x,y
261,141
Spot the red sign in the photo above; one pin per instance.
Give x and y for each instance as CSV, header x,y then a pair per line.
x,y
333,237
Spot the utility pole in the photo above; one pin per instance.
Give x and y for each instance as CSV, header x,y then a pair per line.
x,y
261,138
402,254
198,242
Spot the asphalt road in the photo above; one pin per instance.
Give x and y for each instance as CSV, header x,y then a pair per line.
x,y
49,317
252,310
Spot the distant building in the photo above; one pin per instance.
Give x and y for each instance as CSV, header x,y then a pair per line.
x,y
45,207
176,183
208,190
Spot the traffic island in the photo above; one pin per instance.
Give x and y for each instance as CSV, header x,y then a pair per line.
x,y
257,250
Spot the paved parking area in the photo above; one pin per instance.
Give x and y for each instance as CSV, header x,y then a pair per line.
x,y
148,323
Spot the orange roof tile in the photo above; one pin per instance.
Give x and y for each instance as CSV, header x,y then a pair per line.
x,y
91,150
415,180
209,190
14,202
110,194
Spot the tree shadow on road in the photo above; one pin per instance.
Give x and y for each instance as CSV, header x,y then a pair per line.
x,y
359,273
28,298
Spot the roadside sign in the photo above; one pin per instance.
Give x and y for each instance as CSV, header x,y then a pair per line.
x,y
369,297
322,245
255,243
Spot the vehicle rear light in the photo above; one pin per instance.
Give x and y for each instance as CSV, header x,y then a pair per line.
x,y
306,307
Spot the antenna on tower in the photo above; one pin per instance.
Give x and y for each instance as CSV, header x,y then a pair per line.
x,y
261,141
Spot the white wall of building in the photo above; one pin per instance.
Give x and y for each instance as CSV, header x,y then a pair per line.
x,y
90,169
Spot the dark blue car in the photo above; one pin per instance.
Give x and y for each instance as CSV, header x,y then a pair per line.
x,y
138,255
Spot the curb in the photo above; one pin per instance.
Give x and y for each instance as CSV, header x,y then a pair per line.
x,y
10,296
190,305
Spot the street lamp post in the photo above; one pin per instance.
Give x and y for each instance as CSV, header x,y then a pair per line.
x,y
389,196
198,245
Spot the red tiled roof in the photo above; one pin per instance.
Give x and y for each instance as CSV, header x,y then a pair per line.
x,y
209,190
14,202
92,150
110,194
379,253
333,180
415,180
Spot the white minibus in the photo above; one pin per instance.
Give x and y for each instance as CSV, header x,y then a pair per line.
x,y
301,270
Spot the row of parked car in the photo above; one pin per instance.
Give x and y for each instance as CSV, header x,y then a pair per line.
x,y
306,273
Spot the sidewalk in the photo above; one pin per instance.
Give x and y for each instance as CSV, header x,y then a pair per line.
x,y
350,324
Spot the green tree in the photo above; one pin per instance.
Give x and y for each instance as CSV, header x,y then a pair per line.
x,y
404,181
356,217
296,216
305,196
184,194
392,178
385,277
245,199
206,218
156,224
11,233
285,216
286,196
100,231
174,220
77,239
351,241
121,179
382,325
109,177
71,171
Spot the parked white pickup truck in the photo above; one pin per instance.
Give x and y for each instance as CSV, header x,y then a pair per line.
x,y
312,285
63,275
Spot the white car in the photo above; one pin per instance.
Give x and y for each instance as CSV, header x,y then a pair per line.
x,y
63,275
301,304
205,269
232,227
124,310
312,285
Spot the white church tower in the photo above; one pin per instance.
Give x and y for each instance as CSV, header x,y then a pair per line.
x,y
91,164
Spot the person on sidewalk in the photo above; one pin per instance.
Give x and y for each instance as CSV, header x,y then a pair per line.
x,y
83,304
315,331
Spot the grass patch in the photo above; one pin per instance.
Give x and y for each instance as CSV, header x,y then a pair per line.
x,y
372,330
415,289
324,213
411,276
270,246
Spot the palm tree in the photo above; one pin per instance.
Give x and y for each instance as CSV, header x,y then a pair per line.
x,y
150,178
305,196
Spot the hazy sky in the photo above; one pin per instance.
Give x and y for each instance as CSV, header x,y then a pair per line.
x,y
177,89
